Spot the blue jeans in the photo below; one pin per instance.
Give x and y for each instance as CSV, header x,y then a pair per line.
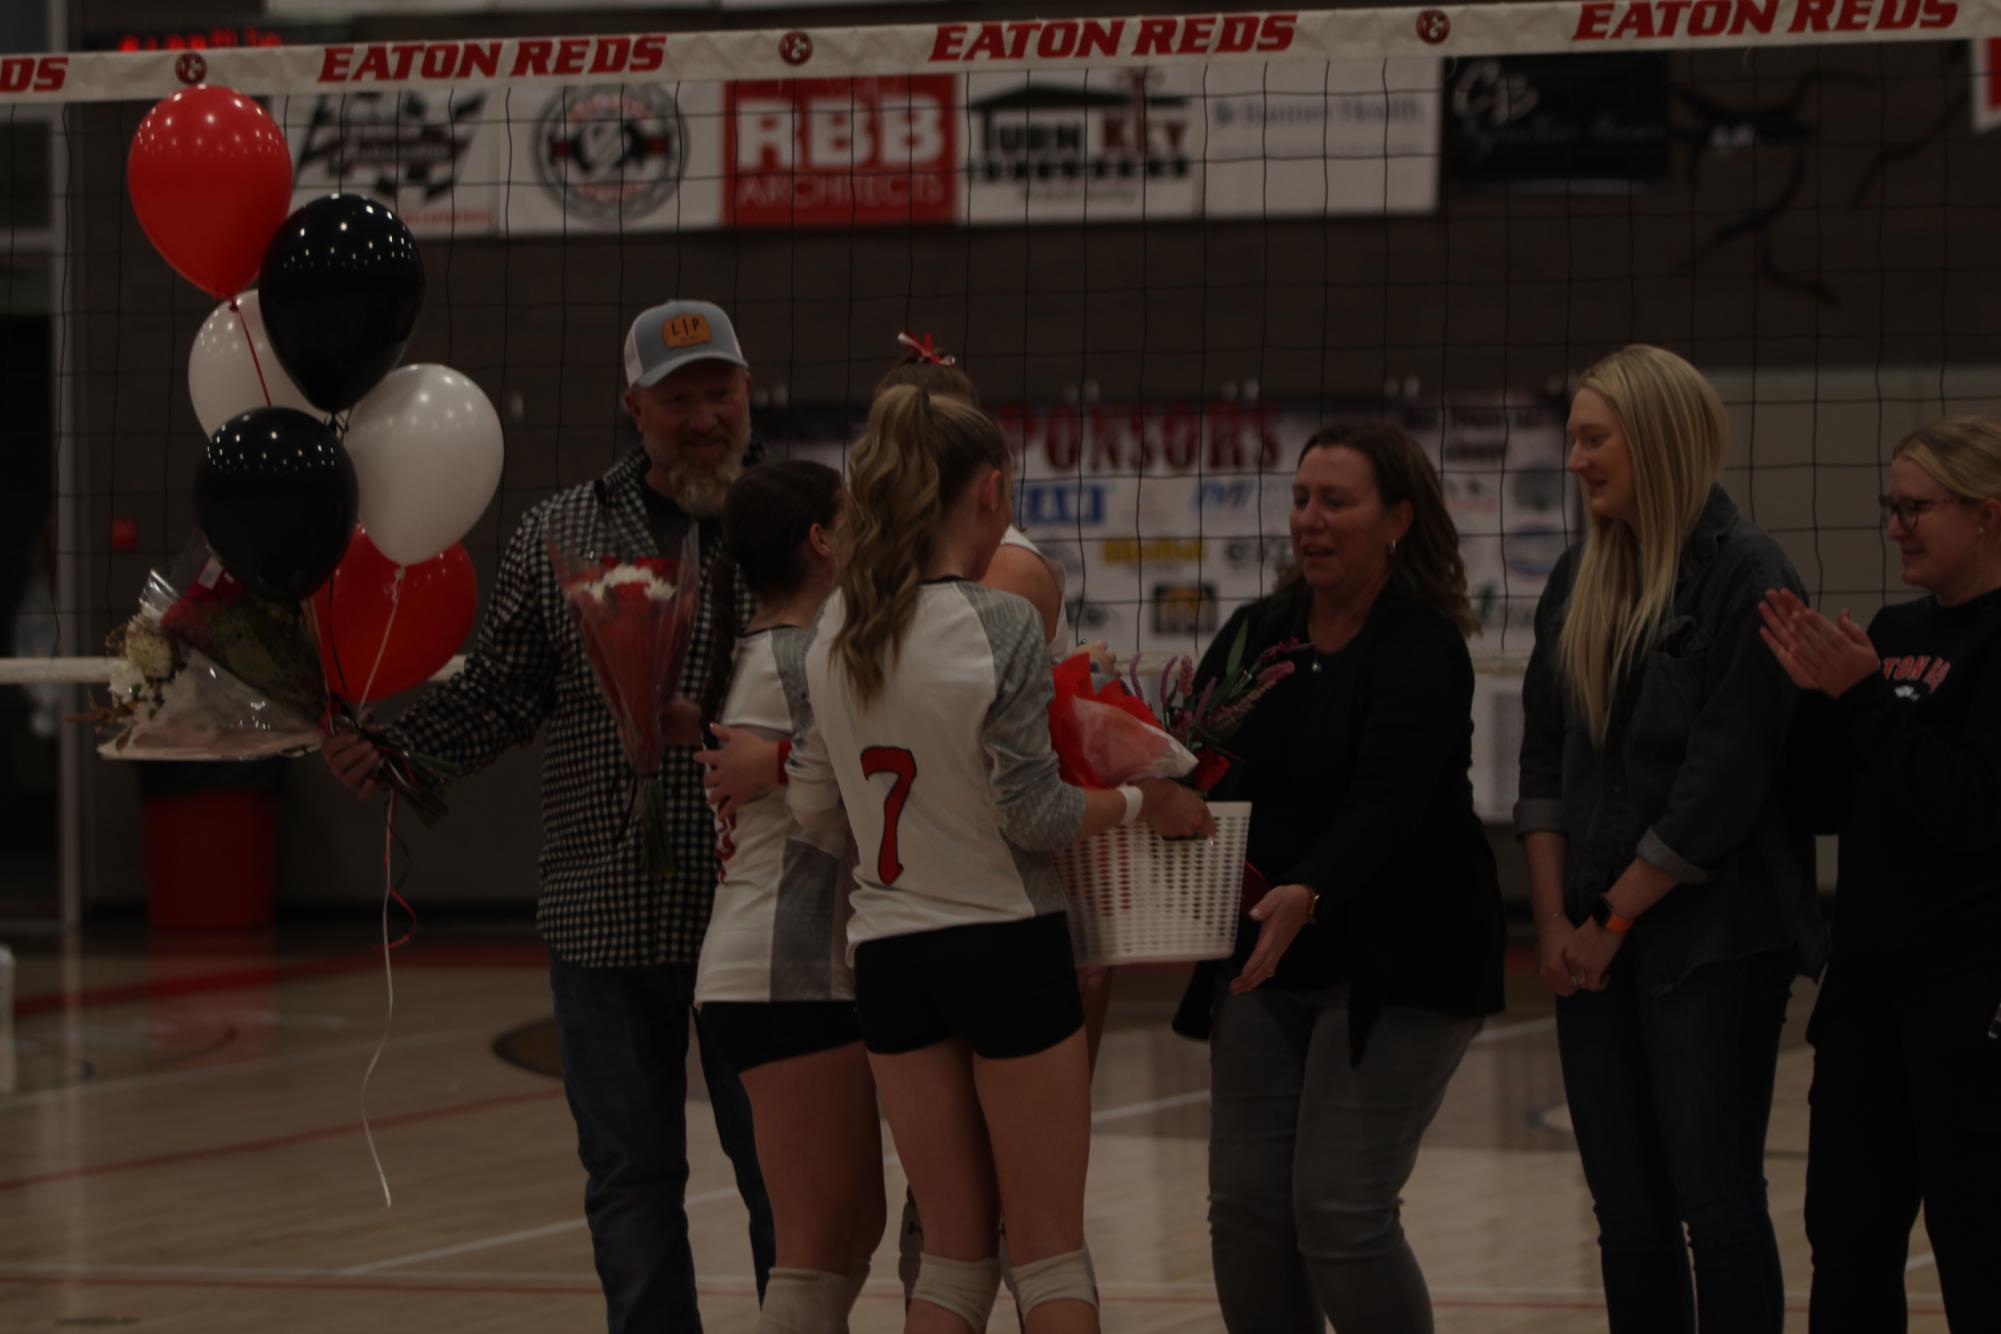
x,y
1308,1157
1670,1096
624,1035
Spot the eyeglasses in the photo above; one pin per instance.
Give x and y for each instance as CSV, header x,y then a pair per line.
x,y
1908,511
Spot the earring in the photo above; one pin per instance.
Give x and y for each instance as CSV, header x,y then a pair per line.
x,y
1393,544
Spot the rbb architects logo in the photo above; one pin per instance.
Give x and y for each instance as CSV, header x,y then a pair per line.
x,y
841,152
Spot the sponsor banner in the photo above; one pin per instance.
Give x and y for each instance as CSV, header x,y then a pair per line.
x,y
1179,142
432,157
1339,137
1169,519
634,158
629,158
1565,121
841,152
1195,40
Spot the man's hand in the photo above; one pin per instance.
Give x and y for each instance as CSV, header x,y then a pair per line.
x,y
353,761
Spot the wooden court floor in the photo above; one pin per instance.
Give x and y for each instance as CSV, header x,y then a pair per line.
x,y
184,1152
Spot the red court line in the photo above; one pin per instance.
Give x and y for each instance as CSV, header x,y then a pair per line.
x,y
266,975
280,1141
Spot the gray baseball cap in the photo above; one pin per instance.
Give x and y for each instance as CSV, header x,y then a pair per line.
x,y
676,334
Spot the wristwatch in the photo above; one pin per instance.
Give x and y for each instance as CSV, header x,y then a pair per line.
x,y
1607,917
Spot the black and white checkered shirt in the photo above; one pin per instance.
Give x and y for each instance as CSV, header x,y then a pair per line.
x,y
598,908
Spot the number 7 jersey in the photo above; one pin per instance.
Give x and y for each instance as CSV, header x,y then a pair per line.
x,y
948,778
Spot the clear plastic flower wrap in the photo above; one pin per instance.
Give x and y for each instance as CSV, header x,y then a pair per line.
x,y
207,670
636,615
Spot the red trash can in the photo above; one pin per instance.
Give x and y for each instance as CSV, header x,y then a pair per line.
x,y
211,840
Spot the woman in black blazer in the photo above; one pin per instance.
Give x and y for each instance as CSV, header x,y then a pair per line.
x,y
1364,973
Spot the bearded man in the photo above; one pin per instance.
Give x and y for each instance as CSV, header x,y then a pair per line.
x,y
623,941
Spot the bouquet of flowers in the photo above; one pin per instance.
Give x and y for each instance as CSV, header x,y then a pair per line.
x,y
636,616
1104,735
208,670
1203,721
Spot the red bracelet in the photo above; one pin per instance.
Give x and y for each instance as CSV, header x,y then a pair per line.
x,y
784,753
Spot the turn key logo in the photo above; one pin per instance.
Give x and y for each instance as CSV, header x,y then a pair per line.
x,y
841,152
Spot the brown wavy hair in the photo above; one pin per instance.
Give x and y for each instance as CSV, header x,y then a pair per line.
x,y
1427,566
918,457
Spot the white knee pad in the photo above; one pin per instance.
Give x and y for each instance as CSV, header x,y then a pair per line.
x,y
805,1301
966,1288
1068,1277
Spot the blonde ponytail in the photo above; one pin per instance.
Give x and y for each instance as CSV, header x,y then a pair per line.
x,y
918,456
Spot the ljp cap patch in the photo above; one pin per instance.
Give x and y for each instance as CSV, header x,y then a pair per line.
x,y
688,330
676,334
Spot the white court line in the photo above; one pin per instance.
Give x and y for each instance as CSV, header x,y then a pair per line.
x,y
706,1197
1100,1117
1925,1261
97,1088
489,1243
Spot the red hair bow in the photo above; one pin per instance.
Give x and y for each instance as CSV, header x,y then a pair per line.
x,y
926,352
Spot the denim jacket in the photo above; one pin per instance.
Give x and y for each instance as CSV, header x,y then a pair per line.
x,y
1688,778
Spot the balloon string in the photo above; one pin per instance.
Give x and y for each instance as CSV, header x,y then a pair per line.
x,y
251,343
382,649
389,982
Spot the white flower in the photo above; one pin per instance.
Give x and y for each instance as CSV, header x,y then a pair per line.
x,y
148,650
599,589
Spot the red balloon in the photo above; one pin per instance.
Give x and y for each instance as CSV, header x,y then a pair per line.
x,y
384,627
211,180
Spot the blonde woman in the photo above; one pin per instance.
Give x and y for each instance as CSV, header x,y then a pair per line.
x,y
1900,754
1674,899
928,732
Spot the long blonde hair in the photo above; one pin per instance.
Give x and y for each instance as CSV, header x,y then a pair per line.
x,y
1961,454
918,457
1676,433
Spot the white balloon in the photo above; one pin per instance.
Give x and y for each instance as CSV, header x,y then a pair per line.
x,y
230,349
427,455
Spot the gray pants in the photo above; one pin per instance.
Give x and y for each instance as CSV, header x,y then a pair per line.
x,y
1307,1156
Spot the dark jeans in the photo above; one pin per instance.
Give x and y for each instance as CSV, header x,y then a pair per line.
x,y
1906,1107
624,1034
1669,1097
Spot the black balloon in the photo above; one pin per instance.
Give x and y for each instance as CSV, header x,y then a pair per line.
x,y
340,290
275,494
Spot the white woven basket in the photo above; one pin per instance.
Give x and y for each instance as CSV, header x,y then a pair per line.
x,y
1136,897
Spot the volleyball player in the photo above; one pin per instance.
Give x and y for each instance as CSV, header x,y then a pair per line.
x,y
773,989
928,732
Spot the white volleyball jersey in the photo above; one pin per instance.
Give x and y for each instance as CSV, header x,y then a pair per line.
x,y
948,779
1060,641
778,931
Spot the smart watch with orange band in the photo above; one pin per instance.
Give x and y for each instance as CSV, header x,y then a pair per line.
x,y
1603,913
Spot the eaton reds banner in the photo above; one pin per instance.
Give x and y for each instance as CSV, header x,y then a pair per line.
x,y
1216,39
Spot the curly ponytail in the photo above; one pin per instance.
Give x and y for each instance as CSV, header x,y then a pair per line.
x,y
918,457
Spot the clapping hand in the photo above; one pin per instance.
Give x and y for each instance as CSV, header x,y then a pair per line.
x,y
1831,657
